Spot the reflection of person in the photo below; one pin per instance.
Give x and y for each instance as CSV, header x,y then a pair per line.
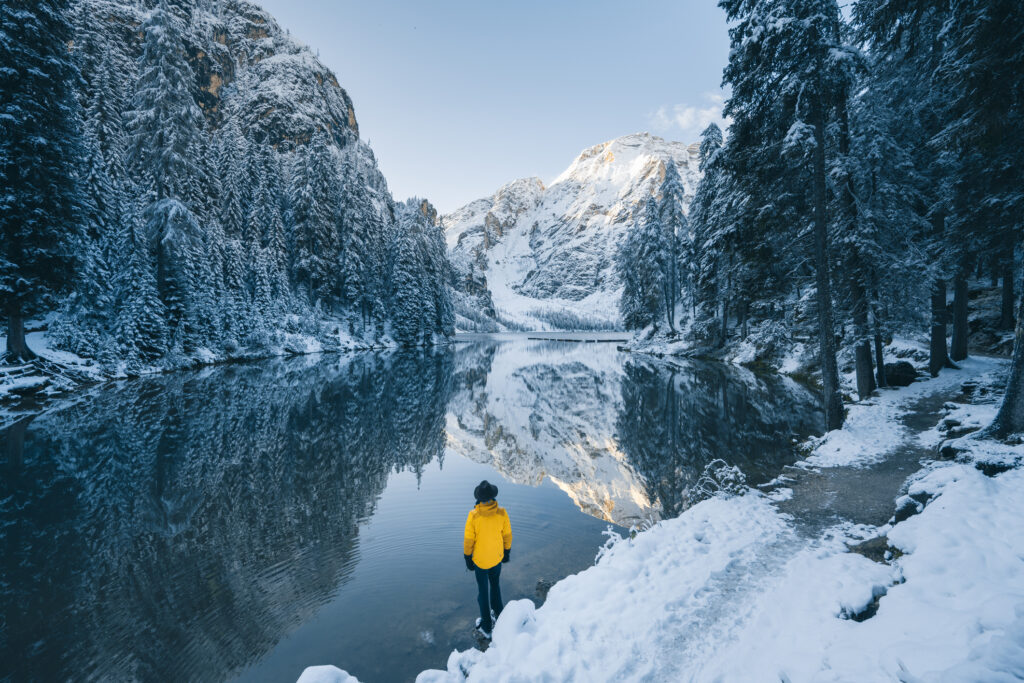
x,y
487,543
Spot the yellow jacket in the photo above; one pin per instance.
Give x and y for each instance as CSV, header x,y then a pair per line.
x,y
488,534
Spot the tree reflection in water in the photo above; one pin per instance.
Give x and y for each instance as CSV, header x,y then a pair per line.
x,y
677,418
180,527
175,528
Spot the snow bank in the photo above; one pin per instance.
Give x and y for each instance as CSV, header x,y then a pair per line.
x,y
730,591
952,610
326,674
872,427
610,622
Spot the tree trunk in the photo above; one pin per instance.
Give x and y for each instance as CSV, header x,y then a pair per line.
x,y
833,401
862,344
725,323
17,347
1006,319
1010,419
937,348
879,356
879,361
670,309
15,438
958,351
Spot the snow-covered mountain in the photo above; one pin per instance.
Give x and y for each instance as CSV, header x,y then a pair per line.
x,y
543,257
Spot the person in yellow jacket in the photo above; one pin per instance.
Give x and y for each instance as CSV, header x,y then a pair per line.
x,y
486,545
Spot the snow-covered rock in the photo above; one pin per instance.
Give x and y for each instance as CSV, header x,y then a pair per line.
x,y
326,674
529,252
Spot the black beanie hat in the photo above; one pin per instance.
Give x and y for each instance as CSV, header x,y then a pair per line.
x,y
485,491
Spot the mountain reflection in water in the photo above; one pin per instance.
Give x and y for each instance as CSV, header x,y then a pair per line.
x,y
185,527
625,437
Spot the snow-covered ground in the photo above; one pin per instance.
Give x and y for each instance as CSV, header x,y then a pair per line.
x,y
736,590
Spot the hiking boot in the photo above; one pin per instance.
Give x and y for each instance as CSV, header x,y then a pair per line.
x,y
486,633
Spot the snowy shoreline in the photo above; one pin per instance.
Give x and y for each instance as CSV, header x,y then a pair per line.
x,y
35,391
736,589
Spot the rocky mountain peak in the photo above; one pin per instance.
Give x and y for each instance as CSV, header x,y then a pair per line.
x,y
545,255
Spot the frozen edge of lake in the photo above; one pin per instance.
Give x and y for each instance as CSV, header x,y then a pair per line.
x,y
729,589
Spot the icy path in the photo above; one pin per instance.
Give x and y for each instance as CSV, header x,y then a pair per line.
x,y
763,587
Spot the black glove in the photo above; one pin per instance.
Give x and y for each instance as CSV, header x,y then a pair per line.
x,y
508,555
469,562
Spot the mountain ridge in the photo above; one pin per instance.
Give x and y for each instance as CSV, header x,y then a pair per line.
x,y
532,256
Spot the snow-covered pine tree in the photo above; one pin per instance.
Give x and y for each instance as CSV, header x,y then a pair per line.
x,y
982,69
907,45
103,94
237,303
787,74
313,197
887,232
352,236
205,195
87,312
437,274
40,155
235,187
424,275
710,225
268,249
640,265
140,330
165,125
407,295
675,227
165,121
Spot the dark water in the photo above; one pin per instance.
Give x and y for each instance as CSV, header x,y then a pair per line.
x,y
246,521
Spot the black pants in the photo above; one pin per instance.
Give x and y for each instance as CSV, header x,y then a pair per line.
x,y
485,577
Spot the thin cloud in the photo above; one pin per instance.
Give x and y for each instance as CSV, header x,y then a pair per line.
x,y
686,121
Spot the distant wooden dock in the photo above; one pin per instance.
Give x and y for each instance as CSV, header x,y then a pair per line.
x,y
580,340
556,336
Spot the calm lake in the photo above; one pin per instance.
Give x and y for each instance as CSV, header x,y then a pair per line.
x,y
246,521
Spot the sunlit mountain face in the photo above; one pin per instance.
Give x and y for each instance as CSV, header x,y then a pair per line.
x,y
532,256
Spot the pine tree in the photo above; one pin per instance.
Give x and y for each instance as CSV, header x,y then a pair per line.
x,y
165,121
640,264
89,310
982,69
675,228
140,329
165,126
40,154
788,72
232,161
711,228
314,199
906,39
407,295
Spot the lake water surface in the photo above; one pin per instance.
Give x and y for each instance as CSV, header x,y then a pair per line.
x,y
246,521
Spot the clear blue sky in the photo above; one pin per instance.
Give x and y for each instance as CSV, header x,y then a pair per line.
x,y
459,97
